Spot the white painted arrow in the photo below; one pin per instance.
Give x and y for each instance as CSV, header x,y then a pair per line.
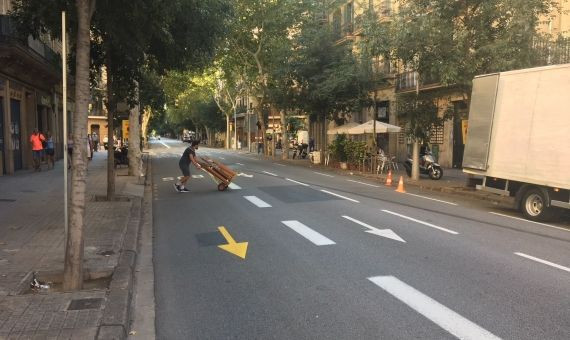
x,y
387,233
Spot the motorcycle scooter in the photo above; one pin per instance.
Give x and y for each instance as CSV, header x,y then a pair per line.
x,y
428,166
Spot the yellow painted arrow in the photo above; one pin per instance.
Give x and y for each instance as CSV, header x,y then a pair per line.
x,y
238,249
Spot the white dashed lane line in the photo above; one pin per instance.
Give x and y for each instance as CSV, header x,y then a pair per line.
x,y
320,173
308,233
370,185
269,173
431,199
340,196
421,222
294,181
234,186
167,146
257,201
548,263
439,314
529,221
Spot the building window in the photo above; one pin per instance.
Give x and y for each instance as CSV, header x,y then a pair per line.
x,y
348,17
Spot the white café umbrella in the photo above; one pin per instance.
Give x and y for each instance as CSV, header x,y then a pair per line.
x,y
342,129
368,127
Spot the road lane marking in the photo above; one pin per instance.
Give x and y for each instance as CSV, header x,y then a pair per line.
x,y
197,176
432,310
269,173
388,233
258,202
166,179
432,199
320,173
343,197
279,164
548,263
239,164
167,146
294,181
422,222
234,186
370,185
309,233
239,249
522,219
222,158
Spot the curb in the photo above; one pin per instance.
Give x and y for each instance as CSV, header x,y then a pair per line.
x,y
116,315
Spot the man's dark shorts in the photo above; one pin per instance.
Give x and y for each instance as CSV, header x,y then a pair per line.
x,y
185,167
37,154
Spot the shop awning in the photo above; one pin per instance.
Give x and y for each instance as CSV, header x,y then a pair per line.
x,y
368,127
342,129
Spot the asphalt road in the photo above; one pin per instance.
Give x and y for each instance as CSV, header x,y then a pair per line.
x,y
337,257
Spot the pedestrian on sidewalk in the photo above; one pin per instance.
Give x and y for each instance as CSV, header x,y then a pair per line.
x,y
189,156
69,150
37,139
50,150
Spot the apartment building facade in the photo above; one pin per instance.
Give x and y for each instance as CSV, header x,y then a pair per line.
x,y
447,142
30,93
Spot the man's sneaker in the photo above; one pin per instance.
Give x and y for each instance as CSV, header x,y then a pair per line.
x,y
177,187
184,190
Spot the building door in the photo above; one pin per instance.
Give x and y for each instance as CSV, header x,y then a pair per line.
x,y
15,130
3,169
459,133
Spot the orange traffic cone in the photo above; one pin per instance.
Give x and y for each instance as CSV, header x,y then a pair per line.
x,y
389,179
401,185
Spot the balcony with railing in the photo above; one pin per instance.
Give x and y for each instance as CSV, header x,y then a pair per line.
x,y
9,35
410,80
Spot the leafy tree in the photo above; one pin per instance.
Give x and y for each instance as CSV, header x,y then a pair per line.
x,y
327,76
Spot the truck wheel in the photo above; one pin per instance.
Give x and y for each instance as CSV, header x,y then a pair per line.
x,y
533,205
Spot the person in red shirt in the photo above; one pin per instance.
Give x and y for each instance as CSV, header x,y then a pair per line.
x,y
37,140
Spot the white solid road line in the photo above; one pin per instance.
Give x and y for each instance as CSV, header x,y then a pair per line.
x,y
370,185
320,173
167,146
294,181
343,197
529,221
269,173
259,203
432,310
388,233
548,263
308,233
432,199
234,186
421,222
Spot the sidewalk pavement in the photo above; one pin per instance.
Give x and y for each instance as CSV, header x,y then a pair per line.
x,y
454,181
32,240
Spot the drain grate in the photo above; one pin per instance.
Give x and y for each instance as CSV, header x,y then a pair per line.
x,y
82,304
7,200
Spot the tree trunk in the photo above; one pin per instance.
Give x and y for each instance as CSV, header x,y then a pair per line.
x,y
261,121
134,142
147,113
73,264
416,161
111,107
285,138
228,132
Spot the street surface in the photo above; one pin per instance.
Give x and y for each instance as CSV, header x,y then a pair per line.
x,y
338,257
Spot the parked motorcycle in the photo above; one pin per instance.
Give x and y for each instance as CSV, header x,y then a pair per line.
x,y
428,166
301,150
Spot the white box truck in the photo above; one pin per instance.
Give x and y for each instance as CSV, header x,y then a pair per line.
x,y
519,138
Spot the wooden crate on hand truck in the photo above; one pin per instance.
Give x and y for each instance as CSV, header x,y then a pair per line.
x,y
220,173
